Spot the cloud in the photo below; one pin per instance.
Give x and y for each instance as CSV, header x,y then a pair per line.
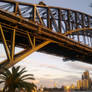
x,y
79,66
50,66
36,81
66,68
73,77
48,75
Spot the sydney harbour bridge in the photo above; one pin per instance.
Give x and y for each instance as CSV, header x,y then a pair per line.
x,y
39,27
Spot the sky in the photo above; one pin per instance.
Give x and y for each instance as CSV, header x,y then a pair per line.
x,y
48,69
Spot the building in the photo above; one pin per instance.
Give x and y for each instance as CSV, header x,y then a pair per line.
x,y
79,84
86,80
85,75
85,84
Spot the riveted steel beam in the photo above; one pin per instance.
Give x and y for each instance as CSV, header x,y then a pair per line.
x,y
20,56
5,43
13,45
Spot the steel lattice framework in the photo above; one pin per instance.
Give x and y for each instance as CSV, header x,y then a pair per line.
x,y
54,30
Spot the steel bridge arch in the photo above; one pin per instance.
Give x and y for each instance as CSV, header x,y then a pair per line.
x,y
84,32
77,30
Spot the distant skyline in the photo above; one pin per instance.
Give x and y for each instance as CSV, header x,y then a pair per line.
x,y
49,69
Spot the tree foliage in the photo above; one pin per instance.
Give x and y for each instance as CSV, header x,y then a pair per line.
x,y
15,80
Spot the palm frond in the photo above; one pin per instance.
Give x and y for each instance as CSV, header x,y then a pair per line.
x,y
4,74
17,68
2,82
2,77
28,86
7,71
22,71
28,78
26,75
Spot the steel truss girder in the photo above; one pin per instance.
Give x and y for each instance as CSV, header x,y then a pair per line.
x,y
25,53
5,43
13,58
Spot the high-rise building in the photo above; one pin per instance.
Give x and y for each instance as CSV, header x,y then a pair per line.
x,y
79,84
85,84
85,75
86,80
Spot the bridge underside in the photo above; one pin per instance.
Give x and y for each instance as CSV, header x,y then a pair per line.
x,y
34,37
16,31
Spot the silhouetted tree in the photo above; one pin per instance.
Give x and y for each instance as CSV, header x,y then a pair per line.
x,y
15,80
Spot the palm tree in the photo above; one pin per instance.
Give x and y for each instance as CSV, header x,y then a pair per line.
x,y
15,80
